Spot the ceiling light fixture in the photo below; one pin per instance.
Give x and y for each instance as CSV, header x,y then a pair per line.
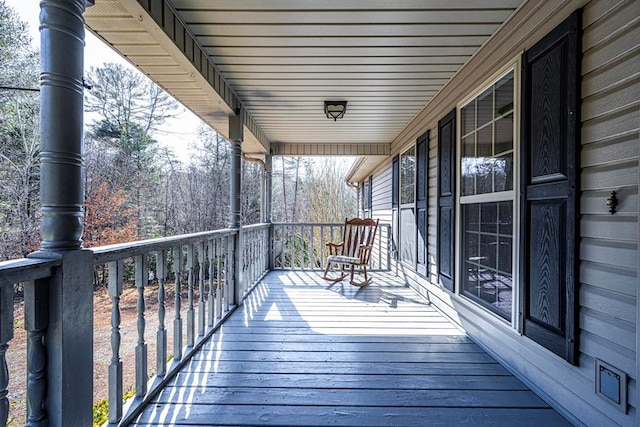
x,y
335,109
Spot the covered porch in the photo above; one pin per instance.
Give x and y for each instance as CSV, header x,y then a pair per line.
x,y
260,339
245,332
303,352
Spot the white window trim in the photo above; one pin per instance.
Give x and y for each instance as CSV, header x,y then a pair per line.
x,y
511,195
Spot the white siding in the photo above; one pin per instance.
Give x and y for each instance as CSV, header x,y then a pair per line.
x,y
381,194
609,160
608,273
381,206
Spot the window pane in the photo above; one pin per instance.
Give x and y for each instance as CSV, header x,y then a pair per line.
x,y
408,235
503,173
504,135
468,161
504,255
485,107
484,175
468,118
505,212
472,217
408,176
489,218
487,147
486,252
485,142
504,95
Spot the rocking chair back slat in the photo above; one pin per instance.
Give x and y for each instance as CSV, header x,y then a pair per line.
x,y
354,251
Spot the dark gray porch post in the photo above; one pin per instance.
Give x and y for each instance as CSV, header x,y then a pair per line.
x,y
236,134
69,337
268,190
61,124
268,184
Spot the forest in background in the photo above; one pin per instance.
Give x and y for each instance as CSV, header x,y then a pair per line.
x,y
137,188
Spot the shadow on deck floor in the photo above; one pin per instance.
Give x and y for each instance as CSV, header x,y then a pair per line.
x,y
304,352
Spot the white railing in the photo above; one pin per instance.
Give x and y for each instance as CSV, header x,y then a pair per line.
x,y
302,246
194,281
255,249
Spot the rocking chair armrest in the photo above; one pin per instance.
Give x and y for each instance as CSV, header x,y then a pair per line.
x,y
337,245
333,247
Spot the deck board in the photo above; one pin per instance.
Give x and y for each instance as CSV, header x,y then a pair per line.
x,y
303,352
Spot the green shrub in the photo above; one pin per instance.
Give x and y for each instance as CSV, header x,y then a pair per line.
x,y
101,408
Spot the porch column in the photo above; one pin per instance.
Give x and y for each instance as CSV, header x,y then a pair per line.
x,y
236,135
268,184
68,338
235,138
61,124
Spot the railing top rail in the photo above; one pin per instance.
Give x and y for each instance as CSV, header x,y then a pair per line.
x,y
256,226
26,269
322,224
104,254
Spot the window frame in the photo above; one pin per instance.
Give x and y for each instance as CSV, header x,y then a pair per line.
x,y
367,196
501,196
406,206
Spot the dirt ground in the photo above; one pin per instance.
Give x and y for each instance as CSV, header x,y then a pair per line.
x,y
16,354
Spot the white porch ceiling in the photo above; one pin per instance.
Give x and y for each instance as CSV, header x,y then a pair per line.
x,y
281,59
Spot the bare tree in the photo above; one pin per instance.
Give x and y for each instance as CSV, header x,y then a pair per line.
x,y
19,137
129,109
329,197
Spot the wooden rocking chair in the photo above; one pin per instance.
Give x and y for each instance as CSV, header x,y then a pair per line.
x,y
353,252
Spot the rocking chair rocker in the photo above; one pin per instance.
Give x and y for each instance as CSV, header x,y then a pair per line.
x,y
352,252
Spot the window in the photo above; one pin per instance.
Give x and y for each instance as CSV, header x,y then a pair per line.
x,y
487,196
407,205
367,202
518,227
407,176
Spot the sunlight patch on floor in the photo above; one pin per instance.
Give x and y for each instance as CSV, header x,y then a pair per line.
x,y
273,313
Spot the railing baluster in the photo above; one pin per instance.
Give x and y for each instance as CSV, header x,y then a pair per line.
x,y
191,324
142,278
302,248
272,243
212,266
161,349
229,268
220,244
312,248
115,367
177,319
202,259
36,307
6,334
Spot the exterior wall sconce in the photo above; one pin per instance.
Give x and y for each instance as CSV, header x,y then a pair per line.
x,y
335,109
612,202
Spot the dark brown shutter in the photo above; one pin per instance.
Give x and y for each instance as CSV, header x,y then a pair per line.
x,y
549,189
446,198
422,162
394,182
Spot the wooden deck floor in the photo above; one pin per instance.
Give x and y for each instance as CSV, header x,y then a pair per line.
x,y
304,352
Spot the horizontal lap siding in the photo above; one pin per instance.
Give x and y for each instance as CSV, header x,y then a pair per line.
x,y
608,269
609,159
381,207
381,195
